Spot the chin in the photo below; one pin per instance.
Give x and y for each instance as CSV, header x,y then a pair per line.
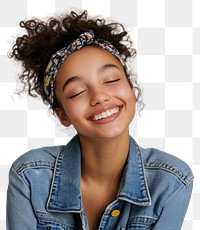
x,y
114,134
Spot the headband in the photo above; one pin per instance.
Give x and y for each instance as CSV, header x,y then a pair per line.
x,y
58,58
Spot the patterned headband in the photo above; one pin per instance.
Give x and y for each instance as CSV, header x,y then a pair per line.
x,y
58,58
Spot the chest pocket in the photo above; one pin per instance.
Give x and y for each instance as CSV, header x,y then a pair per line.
x,y
49,225
140,223
52,225
48,222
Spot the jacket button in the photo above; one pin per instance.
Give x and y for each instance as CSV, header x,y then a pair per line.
x,y
115,213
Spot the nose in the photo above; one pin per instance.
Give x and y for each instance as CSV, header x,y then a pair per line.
x,y
99,97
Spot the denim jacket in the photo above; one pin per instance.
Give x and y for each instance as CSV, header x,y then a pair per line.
x,y
44,191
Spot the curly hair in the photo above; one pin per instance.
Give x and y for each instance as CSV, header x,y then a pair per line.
x,y
44,38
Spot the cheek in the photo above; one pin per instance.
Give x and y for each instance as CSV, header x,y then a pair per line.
x,y
74,111
126,93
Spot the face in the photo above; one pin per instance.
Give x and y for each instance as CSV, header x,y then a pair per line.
x,y
95,95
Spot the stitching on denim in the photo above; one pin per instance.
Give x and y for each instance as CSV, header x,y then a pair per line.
x,y
23,181
48,218
141,220
145,184
34,165
171,169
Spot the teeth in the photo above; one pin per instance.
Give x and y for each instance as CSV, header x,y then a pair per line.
x,y
105,114
108,113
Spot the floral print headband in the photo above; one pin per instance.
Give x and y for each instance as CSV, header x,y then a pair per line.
x,y
58,58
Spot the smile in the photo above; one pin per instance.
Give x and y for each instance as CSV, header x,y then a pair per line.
x,y
105,114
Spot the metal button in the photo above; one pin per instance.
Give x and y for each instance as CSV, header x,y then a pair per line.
x,y
115,213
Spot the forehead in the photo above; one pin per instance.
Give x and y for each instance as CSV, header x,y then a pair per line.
x,y
86,59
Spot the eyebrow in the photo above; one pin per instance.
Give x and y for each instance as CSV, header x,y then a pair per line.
x,y
106,66
77,78
69,80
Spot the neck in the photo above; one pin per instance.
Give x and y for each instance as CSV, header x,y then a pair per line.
x,y
103,160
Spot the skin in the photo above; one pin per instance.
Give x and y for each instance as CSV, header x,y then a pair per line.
x,y
90,82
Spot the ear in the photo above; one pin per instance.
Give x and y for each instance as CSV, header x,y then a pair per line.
x,y
62,117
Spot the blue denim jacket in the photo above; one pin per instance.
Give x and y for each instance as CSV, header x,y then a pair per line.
x,y
44,191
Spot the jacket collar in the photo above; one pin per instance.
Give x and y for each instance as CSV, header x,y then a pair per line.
x,y
134,188
65,193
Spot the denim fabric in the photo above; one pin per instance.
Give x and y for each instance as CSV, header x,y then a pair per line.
x,y
44,191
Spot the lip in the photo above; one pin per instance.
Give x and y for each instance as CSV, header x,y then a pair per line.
x,y
104,109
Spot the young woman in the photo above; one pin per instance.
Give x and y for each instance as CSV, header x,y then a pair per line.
x,y
101,179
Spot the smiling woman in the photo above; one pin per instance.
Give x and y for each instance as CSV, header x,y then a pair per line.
x,y
101,179
99,85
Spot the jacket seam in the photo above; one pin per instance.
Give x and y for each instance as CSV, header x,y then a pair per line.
x,y
175,172
27,167
15,172
138,219
38,163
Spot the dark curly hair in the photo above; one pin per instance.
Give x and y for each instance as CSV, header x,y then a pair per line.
x,y
43,38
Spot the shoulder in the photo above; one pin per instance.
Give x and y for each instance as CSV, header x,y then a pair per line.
x,y
35,158
155,159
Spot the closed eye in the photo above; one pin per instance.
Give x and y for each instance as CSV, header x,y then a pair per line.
x,y
77,94
113,81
